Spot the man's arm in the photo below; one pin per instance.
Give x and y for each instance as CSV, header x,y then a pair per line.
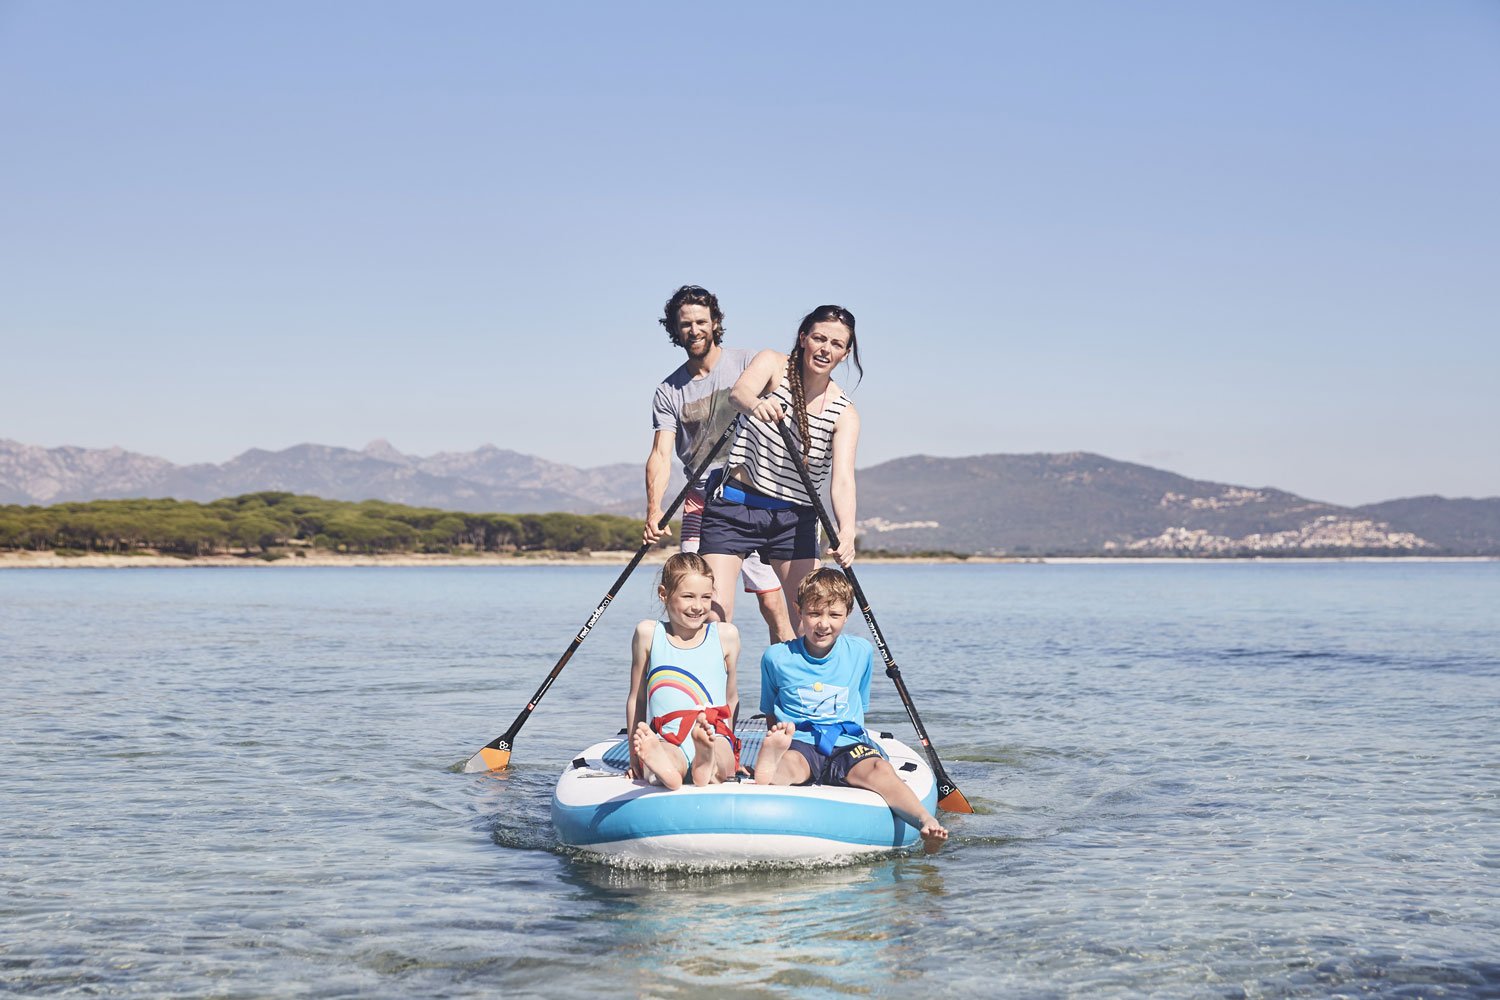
x,y
658,471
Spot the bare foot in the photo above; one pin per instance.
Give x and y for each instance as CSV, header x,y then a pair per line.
x,y
772,749
657,757
705,771
934,835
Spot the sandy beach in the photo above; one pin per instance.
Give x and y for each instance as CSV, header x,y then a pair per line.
x,y
51,560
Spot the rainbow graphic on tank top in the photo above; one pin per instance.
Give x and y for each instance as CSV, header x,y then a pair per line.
x,y
672,689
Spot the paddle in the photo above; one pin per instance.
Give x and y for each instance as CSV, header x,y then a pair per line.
x,y
949,797
496,754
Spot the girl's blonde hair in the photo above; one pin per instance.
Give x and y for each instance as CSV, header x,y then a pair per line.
x,y
682,564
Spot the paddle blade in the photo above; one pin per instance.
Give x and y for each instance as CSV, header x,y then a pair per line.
x,y
491,758
953,801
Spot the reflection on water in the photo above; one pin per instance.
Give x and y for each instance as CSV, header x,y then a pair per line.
x,y
843,930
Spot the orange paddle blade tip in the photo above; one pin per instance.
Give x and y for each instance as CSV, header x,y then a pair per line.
x,y
487,759
955,802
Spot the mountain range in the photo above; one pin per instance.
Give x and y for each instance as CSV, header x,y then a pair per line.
x,y
1018,505
486,479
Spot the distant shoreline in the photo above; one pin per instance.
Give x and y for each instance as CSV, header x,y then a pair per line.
x,y
51,560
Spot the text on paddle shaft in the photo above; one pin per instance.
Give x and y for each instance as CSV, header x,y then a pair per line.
x,y
588,626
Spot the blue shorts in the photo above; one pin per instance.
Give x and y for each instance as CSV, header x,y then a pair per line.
x,y
733,529
834,768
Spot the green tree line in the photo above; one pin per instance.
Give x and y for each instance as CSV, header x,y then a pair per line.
x,y
262,522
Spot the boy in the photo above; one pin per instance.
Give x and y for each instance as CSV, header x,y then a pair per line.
x,y
814,691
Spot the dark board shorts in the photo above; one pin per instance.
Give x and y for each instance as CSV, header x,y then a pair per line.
x,y
734,529
834,768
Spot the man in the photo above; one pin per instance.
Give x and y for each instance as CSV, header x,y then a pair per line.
x,y
689,413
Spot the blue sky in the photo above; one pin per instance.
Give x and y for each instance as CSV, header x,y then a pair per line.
x,y
1255,243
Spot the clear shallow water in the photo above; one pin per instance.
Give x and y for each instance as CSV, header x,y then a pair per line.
x,y
1230,780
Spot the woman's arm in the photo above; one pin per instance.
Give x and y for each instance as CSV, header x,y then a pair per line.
x,y
758,381
635,703
841,485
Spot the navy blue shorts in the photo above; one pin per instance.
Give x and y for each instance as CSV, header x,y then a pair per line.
x,y
834,768
733,529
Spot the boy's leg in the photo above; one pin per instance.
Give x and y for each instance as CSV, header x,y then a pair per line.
x,y
876,774
661,758
775,766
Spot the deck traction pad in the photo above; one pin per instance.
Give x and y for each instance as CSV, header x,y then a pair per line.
x,y
750,733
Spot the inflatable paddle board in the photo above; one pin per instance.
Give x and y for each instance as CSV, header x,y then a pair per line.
x,y
599,812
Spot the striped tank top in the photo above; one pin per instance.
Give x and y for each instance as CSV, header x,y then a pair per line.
x,y
760,455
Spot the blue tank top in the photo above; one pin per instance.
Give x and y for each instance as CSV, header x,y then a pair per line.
x,y
683,679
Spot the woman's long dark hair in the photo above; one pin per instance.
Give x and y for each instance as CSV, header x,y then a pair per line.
x,y
822,314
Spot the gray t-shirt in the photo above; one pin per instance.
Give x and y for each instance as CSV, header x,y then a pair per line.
x,y
698,409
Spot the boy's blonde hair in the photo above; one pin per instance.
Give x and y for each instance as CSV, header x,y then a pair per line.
x,y
823,587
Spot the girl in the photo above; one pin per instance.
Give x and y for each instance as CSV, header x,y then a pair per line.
x,y
760,504
683,696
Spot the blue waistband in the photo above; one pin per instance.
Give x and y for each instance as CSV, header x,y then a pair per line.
x,y
736,492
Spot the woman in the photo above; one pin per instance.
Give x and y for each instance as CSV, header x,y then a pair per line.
x,y
760,504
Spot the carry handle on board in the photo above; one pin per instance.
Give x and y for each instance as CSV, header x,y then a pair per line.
x,y
949,797
496,754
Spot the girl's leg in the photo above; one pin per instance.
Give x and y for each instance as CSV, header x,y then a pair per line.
x,y
723,758
705,765
726,569
791,572
661,758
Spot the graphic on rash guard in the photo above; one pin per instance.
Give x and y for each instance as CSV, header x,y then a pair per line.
x,y
823,701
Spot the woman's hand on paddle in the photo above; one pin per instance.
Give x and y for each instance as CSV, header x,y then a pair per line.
x,y
757,382
768,410
844,554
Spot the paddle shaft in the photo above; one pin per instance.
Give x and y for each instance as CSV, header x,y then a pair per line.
x,y
499,749
949,797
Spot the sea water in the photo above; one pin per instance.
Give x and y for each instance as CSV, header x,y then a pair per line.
x,y
1196,780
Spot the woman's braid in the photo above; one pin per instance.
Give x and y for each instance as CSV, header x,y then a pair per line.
x,y
799,398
